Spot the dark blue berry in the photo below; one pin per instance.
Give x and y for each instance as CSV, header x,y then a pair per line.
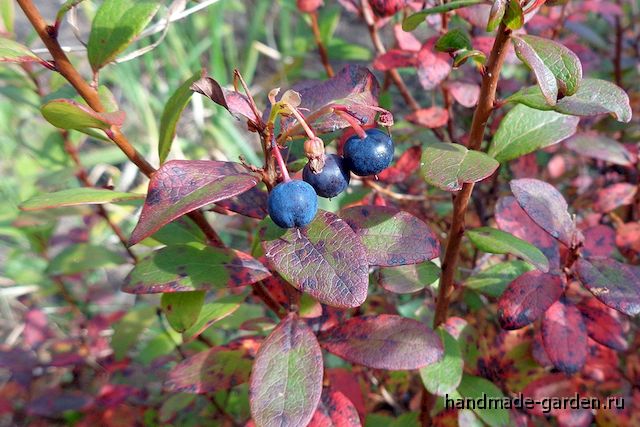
x,y
332,180
292,204
371,155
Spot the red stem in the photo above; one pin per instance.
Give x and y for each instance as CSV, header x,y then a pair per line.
x,y
353,122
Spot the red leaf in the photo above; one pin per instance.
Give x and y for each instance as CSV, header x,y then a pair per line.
x,y
599,241
335,410
346,382
433,68
432,117
182,186
218,368
392,237
395,58
564,335
615,284
405,166
612,197
603,324
384,342
235,102
628,237
466,94
527,298
546,207
252,203
36,328
511,218
286,379
405,39
551,385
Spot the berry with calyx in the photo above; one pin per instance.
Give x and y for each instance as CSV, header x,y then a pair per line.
x,y
371,155
292,204
385,8
332,180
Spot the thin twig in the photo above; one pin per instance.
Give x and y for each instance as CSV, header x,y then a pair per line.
x,y
322,50
397,196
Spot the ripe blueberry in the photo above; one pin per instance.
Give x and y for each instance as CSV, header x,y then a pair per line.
x,y
292,204
371,155
333,179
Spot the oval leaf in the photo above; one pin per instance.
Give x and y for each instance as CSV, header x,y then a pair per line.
x,y
602,148
603,325
69,114
444,376
183,268
615,284
209,371
335,409
76,196
115,25
407,279
493,280
547,208
171,114
384,342
594,97
525,130
392,237
182,186
494,241
411,22
564,336
182,308
477,389
326,259
448,166
211,313
11,51
286,379
527,298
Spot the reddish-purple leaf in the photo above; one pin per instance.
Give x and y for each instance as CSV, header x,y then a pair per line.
x,y
599,241
286,379
16,359
555,385
405,39
395,58
564,336
326,259
432,117
354,86
603,324
612,282
404,167
602,148
53,403
612,197
335,410
180,187
392,237
36,328
218,368
384,342
527,298
466,94
251,203
546,207
347,383
628,237
511,218
235,102
433,67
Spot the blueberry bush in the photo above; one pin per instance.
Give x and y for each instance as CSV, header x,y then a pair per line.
x,y
336,213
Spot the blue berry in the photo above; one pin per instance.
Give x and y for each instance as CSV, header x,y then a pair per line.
x,y
371,155
332,180
292,204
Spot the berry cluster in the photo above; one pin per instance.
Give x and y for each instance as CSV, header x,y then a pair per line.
x,y
294,203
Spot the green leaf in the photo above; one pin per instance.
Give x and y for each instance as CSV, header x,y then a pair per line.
x,y
11,51
513,16
128,329
77,196
444,376
66,7
411,22
594,97
478,388
407,279
555,66
7,14
454,40
171,114
194,267
464,55
525,130
69,114
495,241
493,280
83,257
496,14
448,166
182,308
213,312
115,26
